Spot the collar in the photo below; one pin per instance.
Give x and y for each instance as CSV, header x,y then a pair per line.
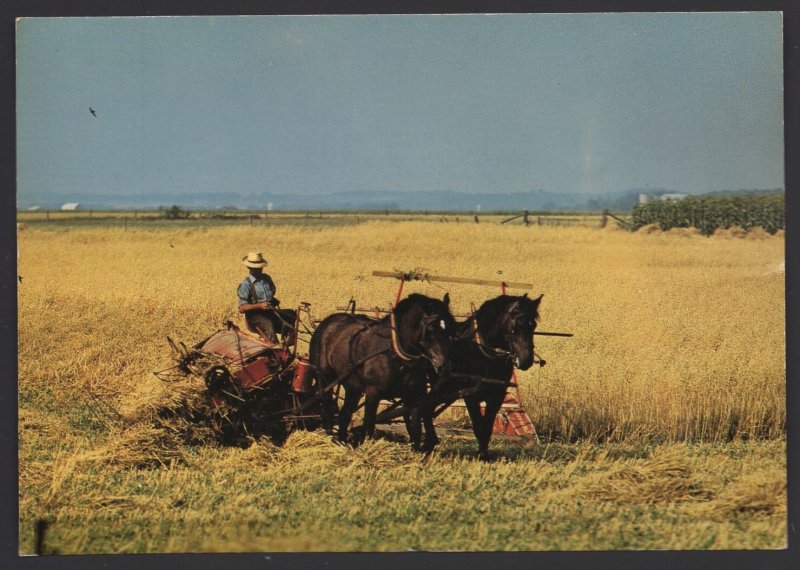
x,y
253,279
396,341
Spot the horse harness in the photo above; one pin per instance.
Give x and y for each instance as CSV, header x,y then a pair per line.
x,y
483,347
396,348
394,341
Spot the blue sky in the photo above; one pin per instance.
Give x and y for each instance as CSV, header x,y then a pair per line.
x,y
485,103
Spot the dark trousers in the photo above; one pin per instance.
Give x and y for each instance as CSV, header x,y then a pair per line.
x,y
268,322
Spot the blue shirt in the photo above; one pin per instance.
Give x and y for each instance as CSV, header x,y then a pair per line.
x,y
264,289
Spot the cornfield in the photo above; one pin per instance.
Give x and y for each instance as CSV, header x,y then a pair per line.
x,y
709,213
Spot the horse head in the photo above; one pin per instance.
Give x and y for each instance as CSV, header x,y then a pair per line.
x,y
509,323
425,328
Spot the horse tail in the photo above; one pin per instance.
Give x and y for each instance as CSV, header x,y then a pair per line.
x,y
320,371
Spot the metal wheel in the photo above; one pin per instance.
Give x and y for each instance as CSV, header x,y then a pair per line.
x,y
217,376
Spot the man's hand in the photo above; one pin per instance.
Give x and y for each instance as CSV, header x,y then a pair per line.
x,y
255,306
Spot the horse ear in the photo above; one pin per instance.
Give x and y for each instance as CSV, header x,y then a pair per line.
x,y
538,299
525,295
446,300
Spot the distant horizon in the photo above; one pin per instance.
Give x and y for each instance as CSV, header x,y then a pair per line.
x,y
373,201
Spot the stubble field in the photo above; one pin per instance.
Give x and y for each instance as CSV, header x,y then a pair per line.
x,y
662,420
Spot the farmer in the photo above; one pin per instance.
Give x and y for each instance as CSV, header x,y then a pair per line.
x,y
258,304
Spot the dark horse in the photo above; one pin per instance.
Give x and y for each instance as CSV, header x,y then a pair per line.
x,y
497,338
392,357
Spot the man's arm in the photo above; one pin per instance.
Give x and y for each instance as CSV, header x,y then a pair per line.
x,y
244,307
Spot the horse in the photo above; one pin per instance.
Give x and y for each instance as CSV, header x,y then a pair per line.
x,y
497,338
383,358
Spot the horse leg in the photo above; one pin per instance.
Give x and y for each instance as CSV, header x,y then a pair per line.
x,y
413,428
431,439
411,401
493,403
351,398
479,425
434,398
371,401
422,414
328,404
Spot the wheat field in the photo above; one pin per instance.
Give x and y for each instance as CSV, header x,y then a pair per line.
x,y
663,418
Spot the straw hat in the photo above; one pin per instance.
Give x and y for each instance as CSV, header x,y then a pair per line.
x,y
254,259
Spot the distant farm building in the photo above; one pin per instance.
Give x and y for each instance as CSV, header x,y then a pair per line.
x,y
673,197
70,206
34,208
645,198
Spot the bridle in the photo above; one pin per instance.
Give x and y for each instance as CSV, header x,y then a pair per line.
x,y
486,350
491,351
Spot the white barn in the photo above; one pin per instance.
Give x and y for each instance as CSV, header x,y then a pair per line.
x,y
645,198
70,206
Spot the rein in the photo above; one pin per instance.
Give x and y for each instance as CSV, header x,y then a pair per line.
x,y
330,386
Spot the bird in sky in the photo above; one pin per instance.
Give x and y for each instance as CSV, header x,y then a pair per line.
x,y
92,112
